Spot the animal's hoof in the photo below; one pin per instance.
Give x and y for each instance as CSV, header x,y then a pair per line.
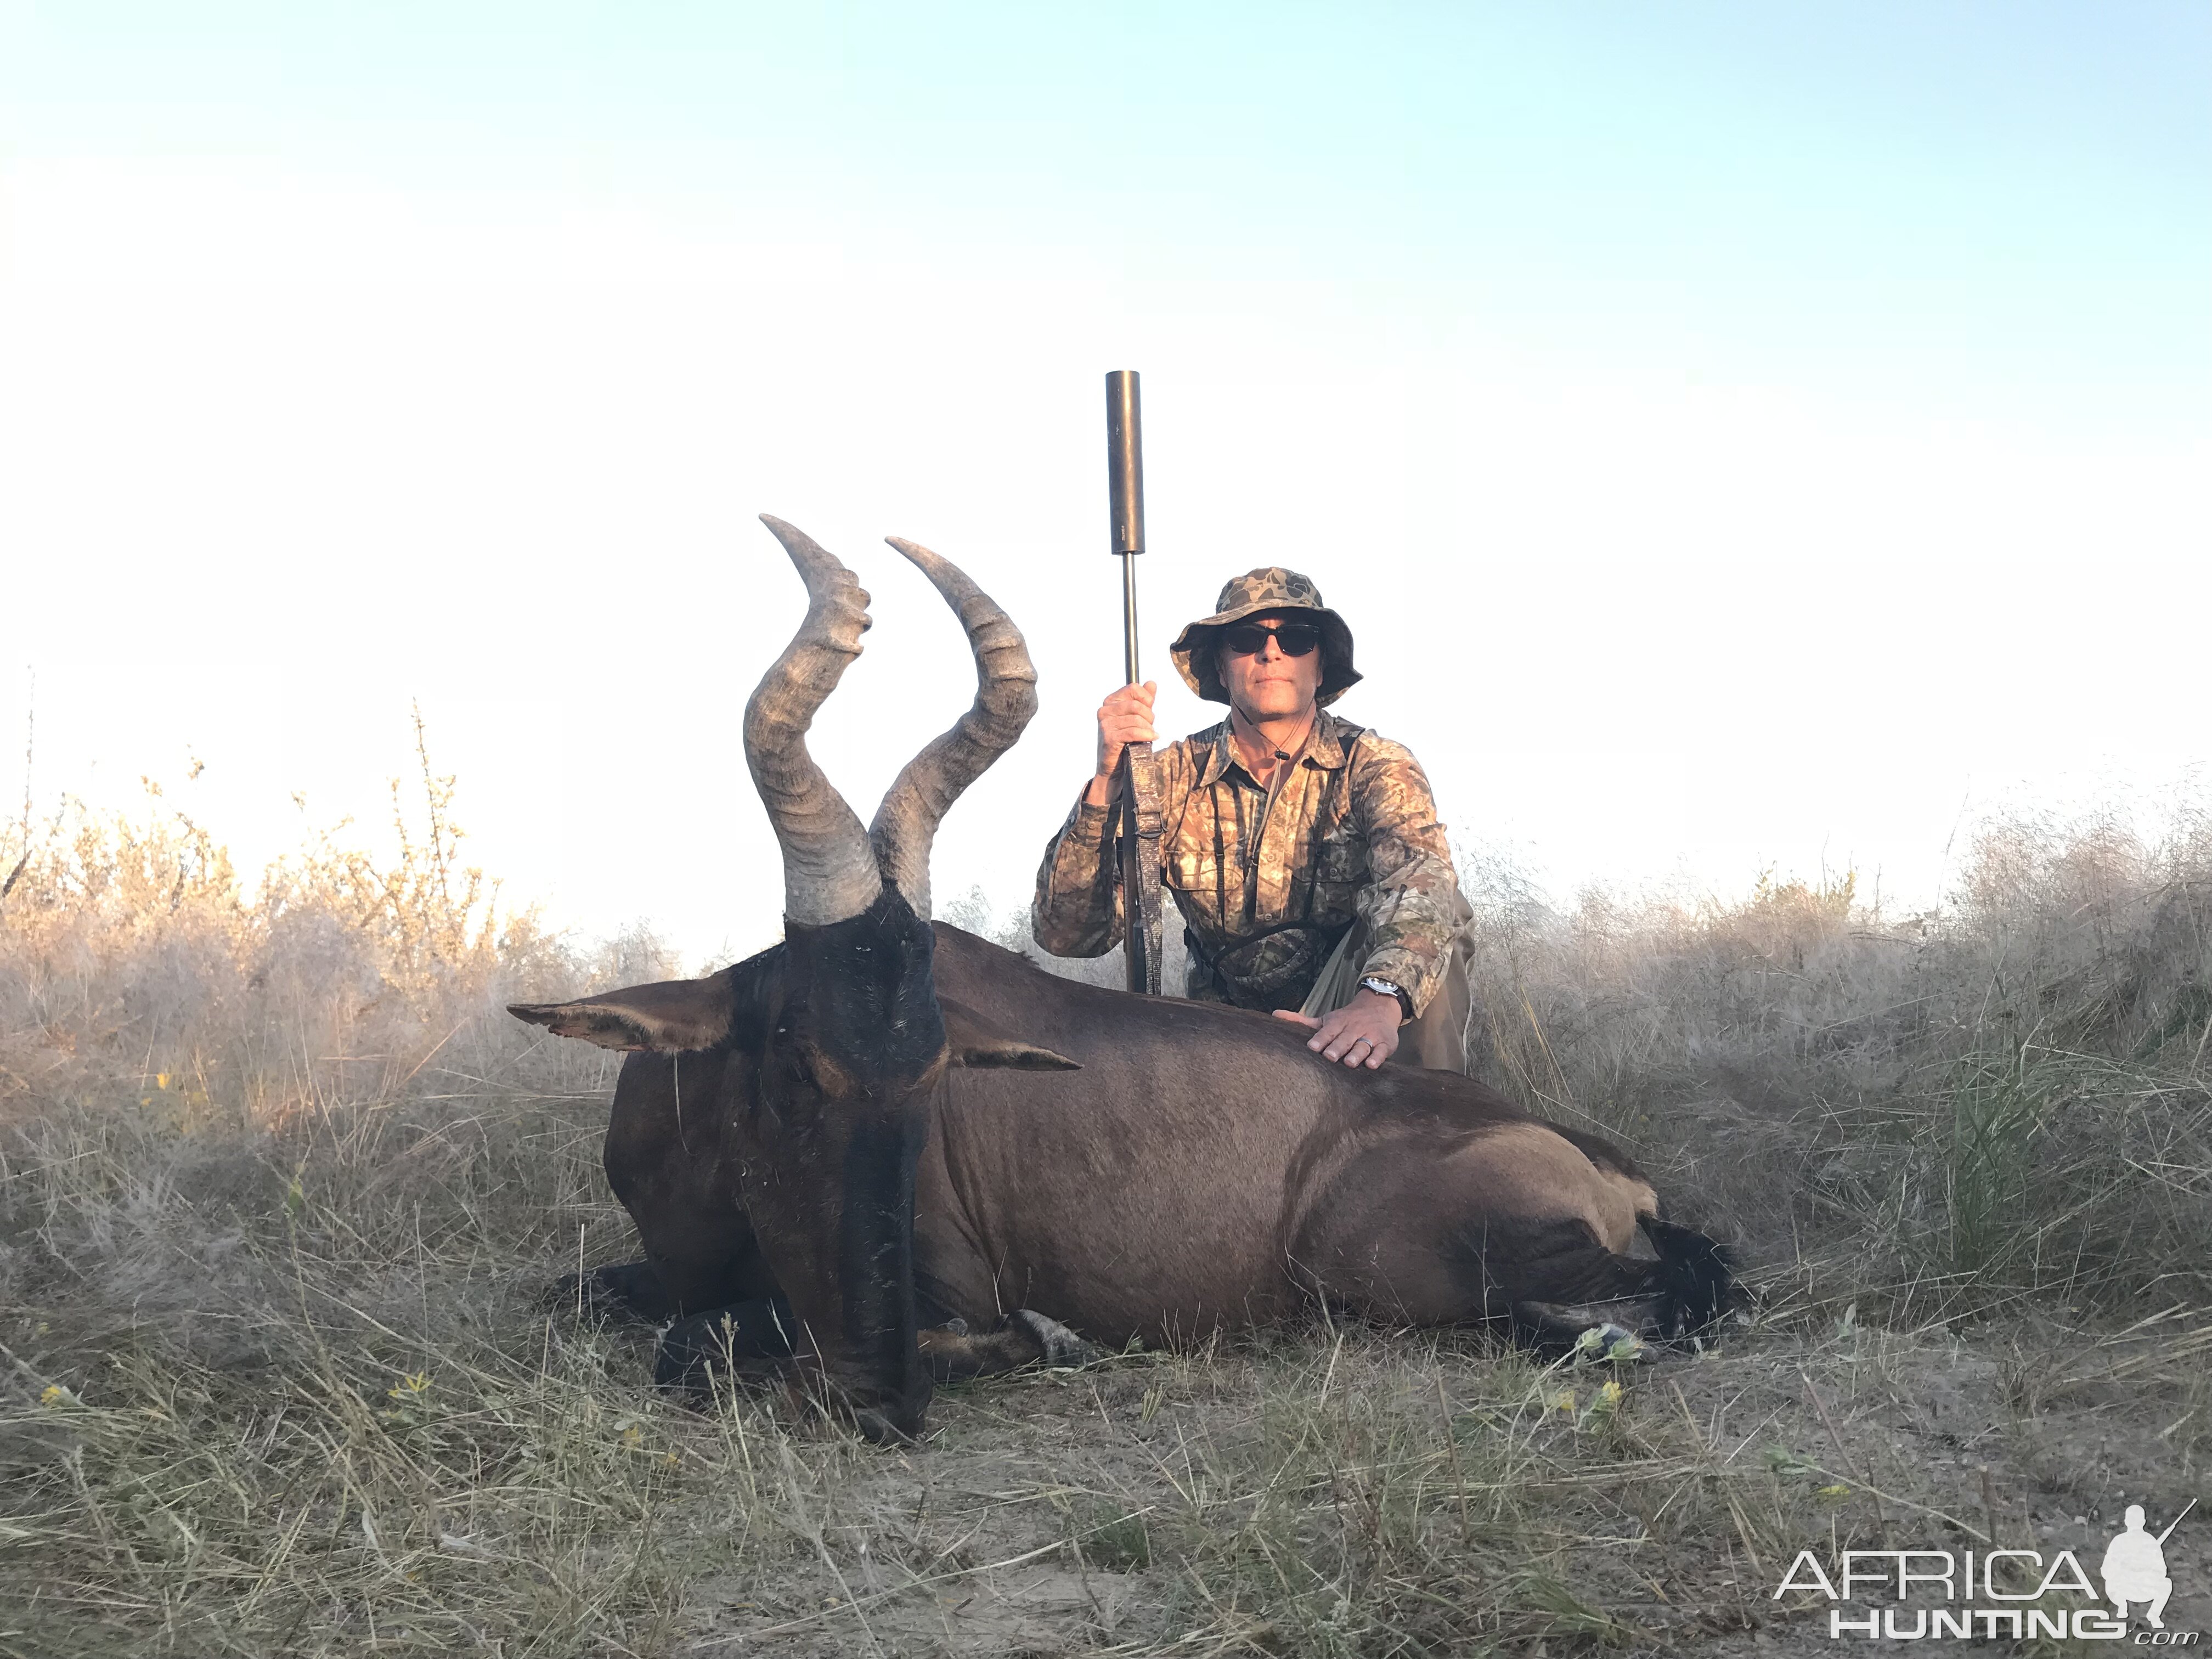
x,y
955,1326
879,1429
625,1291
1611,1342
1591,1328
686,1349
750,1338
1061,1346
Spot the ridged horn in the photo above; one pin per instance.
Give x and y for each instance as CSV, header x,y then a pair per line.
x,y
1006,697
830,871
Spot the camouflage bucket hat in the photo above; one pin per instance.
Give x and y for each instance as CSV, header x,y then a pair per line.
x,y
1270,589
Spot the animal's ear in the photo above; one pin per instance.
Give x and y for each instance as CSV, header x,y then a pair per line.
x,y
673,1017
977,1042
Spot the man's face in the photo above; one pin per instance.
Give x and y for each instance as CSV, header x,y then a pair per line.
x,y
1269,685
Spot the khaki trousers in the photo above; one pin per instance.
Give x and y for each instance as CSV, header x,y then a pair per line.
x,y
1435,1038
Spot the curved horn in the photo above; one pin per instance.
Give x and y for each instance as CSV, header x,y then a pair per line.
x,y
1005,696
830,871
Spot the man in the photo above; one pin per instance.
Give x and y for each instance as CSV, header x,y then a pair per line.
x,y
1303,851
2135,1569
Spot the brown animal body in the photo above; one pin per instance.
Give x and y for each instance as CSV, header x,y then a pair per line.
x,y
1201,1169
892,1151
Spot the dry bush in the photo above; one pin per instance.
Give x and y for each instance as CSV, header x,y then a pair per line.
x,y
2008,1097
266,1150
134,960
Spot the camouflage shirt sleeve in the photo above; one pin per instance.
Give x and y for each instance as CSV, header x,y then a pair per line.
x,y
1078,912
1412,904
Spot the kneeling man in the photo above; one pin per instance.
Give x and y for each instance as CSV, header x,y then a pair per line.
x,y
1303,851
2134,1570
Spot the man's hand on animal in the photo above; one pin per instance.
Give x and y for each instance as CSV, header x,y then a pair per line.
x,y
1363,1032
1126,717
1303,852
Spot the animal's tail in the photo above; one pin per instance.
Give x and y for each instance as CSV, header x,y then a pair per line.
x,y
1696,1277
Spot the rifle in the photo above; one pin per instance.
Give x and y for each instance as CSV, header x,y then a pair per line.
x,y
2176,1522
1137,778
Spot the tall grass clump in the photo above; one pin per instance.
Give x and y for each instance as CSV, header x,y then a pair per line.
x,y
268,1151
2008,1097
132,956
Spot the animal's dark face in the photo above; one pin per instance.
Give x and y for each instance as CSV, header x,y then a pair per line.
x,y
853,1018
851,1042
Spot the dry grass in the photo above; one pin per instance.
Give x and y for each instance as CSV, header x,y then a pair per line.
x,y
2006,1099
281,1193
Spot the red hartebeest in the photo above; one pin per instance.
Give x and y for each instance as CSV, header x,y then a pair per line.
x,y
892,1151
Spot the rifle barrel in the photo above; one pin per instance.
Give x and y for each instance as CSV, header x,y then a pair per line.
x,y
1124,487
1138,784
2177,1520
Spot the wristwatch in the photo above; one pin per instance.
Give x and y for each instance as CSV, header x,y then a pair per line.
x,y
1385,987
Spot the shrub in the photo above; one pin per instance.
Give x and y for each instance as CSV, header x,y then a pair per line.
x,y
2007,1095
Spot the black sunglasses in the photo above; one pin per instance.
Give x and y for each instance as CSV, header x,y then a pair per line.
x,y
1291,639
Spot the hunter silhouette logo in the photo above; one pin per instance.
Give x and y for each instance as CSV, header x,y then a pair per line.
x,y
1997,1595
2135,1566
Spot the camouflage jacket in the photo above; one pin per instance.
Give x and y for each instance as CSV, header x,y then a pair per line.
x,y
1266,894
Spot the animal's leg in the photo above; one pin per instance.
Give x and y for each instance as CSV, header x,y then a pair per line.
x,y
665,1162
751,1337
1517,1223
668,1282
698,1281
1551,1296
627,1291
1552,1325
757,1337
1026,1338
1683,1285
951,1273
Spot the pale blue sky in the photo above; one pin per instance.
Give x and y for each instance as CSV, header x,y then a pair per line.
x,y
1810,407
1953,165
